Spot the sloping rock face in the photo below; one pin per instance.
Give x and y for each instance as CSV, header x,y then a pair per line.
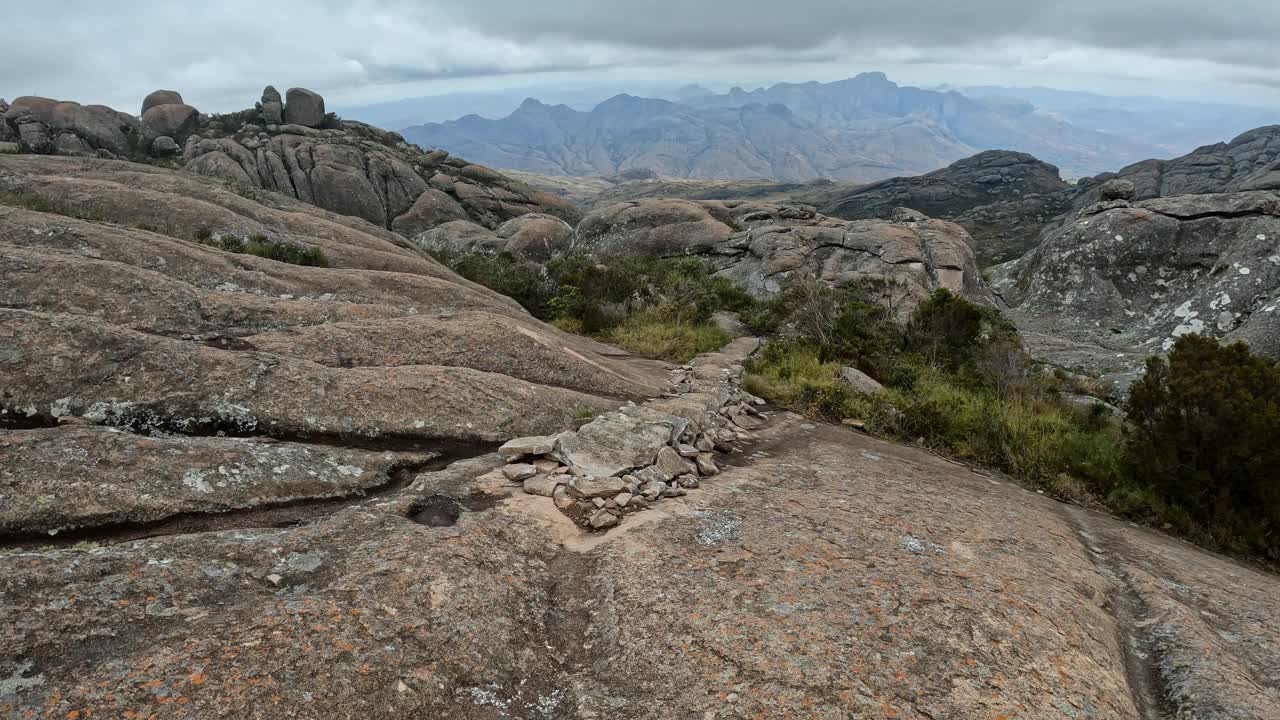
x,y
1001,198
1121,280
761,245
347,167
1251,161
126,325
827,575
360,170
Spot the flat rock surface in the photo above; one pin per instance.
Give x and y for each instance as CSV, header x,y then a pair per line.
x,y
61,478
823,574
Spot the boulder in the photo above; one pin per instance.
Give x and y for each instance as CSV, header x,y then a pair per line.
x,y
432,208
596,487
544,485
33,136
164,146
654,227
272,106
303,107
859,381
175,121
535,445
1118,189
536,236
160,97
459,236
519,471
616,442
672,464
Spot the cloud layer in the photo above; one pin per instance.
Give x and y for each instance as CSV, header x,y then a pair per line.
x,y
221,54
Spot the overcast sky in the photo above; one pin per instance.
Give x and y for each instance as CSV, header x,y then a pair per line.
x,y
219,54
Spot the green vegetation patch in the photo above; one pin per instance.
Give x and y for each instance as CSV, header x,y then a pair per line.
x,y
260,245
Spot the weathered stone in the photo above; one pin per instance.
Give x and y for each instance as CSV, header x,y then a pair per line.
x,y
175,121
544,485
535,445
653,489
560,495
706,464
651,473
303,107
160,97
596,487
687,481
535,236
103,476
859,381
1118,189
272,106
432,208
623,499
704,444
670,463
603,519
687,451
519,471
616,442
164,146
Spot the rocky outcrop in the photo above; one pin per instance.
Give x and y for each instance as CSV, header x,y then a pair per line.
x,y
302,107
534,237
172,120
160,97
1251,161
761,245
1001,198
151,330
1121,280
45,126
356,169
347,167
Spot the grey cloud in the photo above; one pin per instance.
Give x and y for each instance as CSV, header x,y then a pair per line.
x,y
220,54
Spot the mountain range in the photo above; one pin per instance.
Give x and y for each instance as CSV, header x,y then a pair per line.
x,y
863,128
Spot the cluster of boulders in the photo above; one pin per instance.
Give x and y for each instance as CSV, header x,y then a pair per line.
x,y
293,148
758,245
622,462
45,126
288,145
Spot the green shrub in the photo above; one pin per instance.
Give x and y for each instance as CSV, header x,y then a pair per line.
x,y
262,246
1203,438
1032,435
655,333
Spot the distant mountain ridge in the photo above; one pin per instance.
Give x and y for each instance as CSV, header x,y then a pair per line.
x,y
864,128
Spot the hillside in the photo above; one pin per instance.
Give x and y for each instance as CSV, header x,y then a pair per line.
x,y
263,456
